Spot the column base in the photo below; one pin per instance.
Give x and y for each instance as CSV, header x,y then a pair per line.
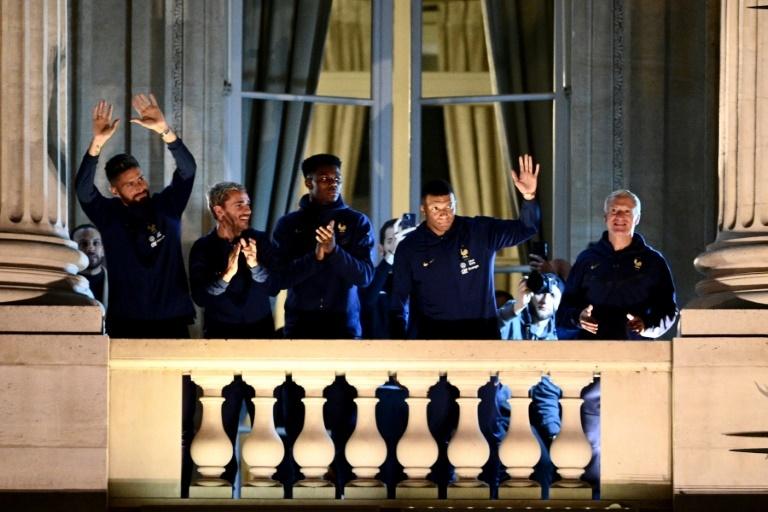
x,y
327,492
264,493
409,492
479,492
354,492
518,490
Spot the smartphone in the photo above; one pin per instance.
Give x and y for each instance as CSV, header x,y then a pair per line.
x,y
408,220
540,248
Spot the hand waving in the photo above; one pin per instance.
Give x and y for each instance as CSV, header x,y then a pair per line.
x,y
103,126
526,179
150,115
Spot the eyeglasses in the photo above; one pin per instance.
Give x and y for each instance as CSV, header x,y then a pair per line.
x,y
327,180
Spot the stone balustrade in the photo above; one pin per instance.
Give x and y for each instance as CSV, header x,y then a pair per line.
x,y
146,408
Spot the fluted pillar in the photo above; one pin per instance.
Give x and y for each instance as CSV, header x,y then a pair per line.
x,y
736,264
38,263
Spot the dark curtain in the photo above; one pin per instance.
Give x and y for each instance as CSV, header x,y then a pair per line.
x,y
521,37
282,53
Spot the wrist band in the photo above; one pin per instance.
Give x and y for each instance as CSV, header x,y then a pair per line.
x,y
165,132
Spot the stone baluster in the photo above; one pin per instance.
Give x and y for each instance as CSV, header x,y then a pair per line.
x,y
417,449
570,450
313,449
736,264
38,262
262,448
468,449
366,449
211,449
519,451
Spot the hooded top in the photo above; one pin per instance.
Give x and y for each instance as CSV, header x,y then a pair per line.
x,y
327,286
142,243
634,280
449,278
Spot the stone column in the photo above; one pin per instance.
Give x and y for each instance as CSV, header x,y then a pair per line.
x,y
38,263
736,264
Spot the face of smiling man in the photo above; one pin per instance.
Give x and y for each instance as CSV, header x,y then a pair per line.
x,y
621,219
234,216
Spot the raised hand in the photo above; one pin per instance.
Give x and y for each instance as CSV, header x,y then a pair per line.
x,y
586,321
232,263
523,296
103,126
526,179
326,240
250,251
150,115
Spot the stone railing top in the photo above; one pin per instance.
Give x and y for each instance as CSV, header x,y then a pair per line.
x,y
388,355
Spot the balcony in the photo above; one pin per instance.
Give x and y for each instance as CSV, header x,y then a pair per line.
x,y
678,419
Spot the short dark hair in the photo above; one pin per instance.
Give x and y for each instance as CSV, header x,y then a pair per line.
x,y
118,164
436,188
314,162
384,228
80,228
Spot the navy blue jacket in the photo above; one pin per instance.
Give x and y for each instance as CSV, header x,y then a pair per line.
x,y
634,280
329,287
245,299
142,243
374,300
449,278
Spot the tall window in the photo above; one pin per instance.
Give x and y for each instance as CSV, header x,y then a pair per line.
x,y
485,82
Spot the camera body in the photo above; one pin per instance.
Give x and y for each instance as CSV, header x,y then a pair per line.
x,y
540,283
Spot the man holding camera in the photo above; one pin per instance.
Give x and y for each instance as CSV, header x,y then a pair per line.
x,y
443,276
531,315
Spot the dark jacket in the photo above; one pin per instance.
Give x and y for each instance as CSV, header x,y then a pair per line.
x,y
444,284
634,280
322,295
245,299
374,300
142,243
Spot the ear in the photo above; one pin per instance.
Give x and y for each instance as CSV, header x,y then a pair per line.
x,y
218,211
422,210
637,220
114,191
308,182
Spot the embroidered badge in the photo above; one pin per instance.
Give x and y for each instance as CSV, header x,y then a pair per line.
x,y
427,263
342,228
155,236
638,263
467,263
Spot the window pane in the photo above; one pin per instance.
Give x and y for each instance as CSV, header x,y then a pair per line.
x,y
315,47
455,59
343,131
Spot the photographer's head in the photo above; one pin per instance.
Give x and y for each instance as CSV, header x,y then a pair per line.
x,y
547,292
126,181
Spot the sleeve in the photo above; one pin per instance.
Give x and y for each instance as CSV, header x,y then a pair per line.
x,y
508,233
93,203
288,271
263,272
545,396
662,310
401,291
355,265
203,278
574,298
176,195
